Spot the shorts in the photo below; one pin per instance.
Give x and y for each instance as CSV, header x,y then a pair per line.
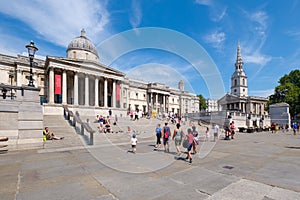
x,y
177,141
190,146
133,146
166,141
216,134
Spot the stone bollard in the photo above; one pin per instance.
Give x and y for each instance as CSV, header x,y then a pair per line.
x,y
82,129
91,138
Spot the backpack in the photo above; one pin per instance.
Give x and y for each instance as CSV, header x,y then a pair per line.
x,y
166,132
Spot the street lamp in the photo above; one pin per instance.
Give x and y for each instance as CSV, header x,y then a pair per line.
x,y
31,51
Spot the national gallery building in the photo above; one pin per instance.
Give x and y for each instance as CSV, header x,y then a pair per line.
x,y
84,84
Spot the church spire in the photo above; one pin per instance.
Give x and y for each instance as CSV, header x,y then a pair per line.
x,y
239,79
239,61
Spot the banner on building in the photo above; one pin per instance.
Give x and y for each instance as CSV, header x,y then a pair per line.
x,y
57,85
118,89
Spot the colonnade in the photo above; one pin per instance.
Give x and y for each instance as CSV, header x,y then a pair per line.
x,y
83,89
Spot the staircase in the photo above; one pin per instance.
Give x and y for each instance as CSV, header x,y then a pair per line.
x,y
61,128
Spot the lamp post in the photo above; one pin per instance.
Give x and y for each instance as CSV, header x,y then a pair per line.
x,y
31,51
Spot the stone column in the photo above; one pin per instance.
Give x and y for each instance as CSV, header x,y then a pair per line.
x,y
76,89
114,94
51,86
64,89
86,89
96,92
105,92
164,103
19,77
156,100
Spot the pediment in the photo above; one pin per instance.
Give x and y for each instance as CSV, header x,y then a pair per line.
x,y
84,65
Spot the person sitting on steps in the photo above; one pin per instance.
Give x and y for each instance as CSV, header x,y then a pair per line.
x,y
50,136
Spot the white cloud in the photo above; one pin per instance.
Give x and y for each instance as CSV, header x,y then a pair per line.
x,y
136,17
216,39
159,73
259,20
257,58
58,21
261,93
204,2
217,11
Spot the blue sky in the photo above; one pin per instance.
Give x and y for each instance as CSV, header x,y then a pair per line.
x,y
268,31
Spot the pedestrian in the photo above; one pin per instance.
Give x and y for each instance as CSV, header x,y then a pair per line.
x,y
166,133
190,139
196,139
207,134
110,113
133,142
232,127
158,136
177,136
295,127
136,115
216,132
227,133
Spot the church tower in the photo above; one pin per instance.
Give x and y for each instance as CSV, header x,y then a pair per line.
x,y
239,79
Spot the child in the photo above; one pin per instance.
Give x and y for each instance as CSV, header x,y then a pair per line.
x,y
133,142
207,134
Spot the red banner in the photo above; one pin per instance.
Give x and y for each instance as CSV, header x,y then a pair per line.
x,y
118,93
57,85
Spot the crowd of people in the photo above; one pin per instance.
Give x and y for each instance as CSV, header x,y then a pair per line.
x,y
275,127
189,140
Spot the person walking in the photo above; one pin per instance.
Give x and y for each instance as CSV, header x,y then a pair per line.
x,y
232,127
133,142
158,136
166,134
216,132
295,128
207,134
177,136
190,138
196,139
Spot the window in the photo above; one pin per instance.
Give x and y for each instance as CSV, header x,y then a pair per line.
x,y
137,95
235,82
74,54
234,90
244,81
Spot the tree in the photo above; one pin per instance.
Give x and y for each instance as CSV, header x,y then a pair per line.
x,y
288,91
202,102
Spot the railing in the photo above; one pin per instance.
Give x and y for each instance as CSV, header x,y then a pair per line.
x,y
74,119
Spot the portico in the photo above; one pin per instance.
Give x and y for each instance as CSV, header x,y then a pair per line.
x,y
73,85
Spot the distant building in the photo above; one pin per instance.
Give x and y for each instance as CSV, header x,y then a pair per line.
x,y
280,114
212,105
238,103
84,84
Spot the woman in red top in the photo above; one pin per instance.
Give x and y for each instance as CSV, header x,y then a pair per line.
x,y
232,129
190,138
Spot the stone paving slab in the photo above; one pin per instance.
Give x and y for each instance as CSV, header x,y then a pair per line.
x,y
264,166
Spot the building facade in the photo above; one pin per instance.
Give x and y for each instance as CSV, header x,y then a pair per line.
x,y
245,109
81,82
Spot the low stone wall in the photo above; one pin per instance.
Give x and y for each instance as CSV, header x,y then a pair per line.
x,y
21,118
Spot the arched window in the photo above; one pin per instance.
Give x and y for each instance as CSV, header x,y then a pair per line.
x,y
74,54
244,81
235,82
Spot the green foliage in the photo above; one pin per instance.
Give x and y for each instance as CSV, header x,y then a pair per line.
x,y
202,102
288,91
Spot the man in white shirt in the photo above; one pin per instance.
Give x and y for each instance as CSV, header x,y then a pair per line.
x,y
216,132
